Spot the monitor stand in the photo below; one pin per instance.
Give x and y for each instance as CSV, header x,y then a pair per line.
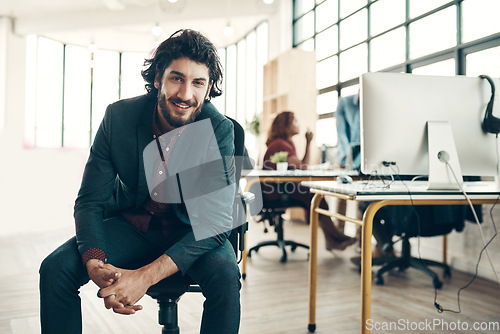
x,y
442,157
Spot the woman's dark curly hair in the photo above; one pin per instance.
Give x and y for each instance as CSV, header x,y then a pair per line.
x,y
184,43
281,126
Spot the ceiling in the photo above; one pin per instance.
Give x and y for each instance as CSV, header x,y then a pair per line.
x,y
126,25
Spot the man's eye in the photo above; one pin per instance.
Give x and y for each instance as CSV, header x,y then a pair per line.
x,y
199,83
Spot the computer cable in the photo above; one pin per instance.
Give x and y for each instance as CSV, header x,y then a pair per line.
x,y
475,217
439,308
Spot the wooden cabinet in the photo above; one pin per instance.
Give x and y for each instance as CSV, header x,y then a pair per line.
x,y
290,84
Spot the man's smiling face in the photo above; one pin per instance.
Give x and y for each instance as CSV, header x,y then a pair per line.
x,y
182,91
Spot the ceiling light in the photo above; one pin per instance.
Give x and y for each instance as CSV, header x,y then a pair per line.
x,y
268,2
172,1
157,30
228,30
114,4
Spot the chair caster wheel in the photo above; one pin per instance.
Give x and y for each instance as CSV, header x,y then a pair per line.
x,y
293,248
447,273
243,276
379,280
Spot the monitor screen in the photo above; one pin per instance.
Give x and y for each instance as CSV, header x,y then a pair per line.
x,y
395,109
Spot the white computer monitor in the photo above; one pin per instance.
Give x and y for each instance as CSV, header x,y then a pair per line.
x,y
395,111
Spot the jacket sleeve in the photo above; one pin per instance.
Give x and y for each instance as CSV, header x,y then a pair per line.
x,y
96,191
213,211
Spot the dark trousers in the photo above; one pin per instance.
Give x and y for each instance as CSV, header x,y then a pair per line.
x,y
62,274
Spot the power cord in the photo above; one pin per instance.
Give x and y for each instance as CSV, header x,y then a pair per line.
x,y
439,308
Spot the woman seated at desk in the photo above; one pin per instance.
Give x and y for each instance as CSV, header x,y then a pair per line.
x,y
279,139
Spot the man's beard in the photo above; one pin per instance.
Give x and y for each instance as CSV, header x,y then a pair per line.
x,y
170,115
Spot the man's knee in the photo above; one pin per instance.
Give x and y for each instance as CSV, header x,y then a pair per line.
x,y
229,272
62,264
227,275
220,269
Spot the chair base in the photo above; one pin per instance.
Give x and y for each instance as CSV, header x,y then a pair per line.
x,y
407,261
167,315
281,244
273,215
167,293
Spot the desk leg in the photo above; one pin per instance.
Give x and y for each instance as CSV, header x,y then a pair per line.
x,y
366,263
313,261
244,259
445,249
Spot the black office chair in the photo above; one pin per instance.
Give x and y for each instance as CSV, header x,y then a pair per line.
x,y
271,215
418,221
168,291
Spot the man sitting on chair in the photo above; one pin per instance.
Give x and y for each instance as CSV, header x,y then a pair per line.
x,y
138,215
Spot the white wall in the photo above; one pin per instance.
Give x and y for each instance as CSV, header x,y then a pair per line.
x,y
37,186
4,28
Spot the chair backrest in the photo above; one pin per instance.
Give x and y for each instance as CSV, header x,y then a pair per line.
x,y
423,220
239,212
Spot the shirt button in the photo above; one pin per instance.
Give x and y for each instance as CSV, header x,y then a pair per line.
x,y
155,194
160,172
167,149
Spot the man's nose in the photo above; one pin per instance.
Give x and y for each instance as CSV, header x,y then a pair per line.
x,y
185,92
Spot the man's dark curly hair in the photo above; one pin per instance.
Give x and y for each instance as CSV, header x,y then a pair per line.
x,y
184,43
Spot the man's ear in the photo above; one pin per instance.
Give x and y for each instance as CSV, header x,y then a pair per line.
x,y
209,90
157,80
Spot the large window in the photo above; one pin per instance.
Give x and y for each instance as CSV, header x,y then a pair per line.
x,y
244,64
44,97
69,87
350,37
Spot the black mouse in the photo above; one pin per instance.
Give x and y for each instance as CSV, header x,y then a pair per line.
x,y
344,179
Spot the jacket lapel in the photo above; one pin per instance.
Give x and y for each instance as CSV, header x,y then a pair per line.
x,y
144,137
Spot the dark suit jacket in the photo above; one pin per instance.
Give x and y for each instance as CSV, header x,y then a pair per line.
x,y
114,179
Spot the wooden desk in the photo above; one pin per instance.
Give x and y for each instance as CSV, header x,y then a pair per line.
x,y
274,176
479,193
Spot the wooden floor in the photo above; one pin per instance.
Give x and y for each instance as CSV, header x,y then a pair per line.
x,y
274,296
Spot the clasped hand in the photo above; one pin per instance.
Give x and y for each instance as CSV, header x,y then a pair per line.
x,y
120,288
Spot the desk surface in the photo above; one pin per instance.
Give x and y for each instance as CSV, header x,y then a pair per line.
x,y
377,190
298,173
